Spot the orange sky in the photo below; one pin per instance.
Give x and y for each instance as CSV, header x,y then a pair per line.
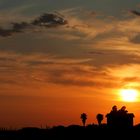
x,y
50,104
75,58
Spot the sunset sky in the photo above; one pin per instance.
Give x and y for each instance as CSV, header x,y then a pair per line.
x,y
60,58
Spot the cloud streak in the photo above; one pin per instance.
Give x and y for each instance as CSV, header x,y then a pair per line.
x,y
135,12
46,20
101,35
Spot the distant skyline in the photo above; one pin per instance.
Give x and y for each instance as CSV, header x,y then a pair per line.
x,y
60,58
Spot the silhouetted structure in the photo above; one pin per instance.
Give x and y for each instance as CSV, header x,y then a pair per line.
x,y
120,118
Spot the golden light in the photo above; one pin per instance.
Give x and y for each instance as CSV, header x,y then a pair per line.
x,y
129,95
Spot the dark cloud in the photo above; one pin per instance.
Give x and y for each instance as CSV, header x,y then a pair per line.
x,y
49,20
5,32
46,20
135,12
19,27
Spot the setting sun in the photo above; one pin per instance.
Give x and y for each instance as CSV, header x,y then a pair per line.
x,y
129,95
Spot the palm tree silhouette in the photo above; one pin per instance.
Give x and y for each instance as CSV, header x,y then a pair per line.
x,y
84,118
99,118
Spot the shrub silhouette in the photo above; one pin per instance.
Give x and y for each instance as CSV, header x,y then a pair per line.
x,y
84,118
99,118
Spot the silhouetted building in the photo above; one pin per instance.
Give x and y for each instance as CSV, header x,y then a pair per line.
x,y
120,118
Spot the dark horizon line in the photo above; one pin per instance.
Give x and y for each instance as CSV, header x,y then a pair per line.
x,y
61,125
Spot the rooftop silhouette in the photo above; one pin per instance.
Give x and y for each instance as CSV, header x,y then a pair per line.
x,y
119,118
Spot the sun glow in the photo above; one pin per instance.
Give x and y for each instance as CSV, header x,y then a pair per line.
x,y
129,95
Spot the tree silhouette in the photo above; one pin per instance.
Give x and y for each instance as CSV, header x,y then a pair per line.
x,y
84,118
99,118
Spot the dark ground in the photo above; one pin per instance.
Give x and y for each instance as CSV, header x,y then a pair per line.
x,y
72,132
